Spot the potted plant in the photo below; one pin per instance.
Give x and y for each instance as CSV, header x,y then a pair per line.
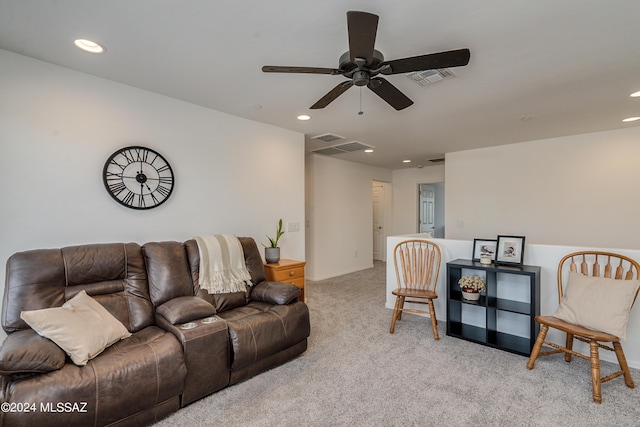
x,y
471,286
272,252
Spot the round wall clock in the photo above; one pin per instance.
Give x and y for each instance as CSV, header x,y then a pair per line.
x,y
138,177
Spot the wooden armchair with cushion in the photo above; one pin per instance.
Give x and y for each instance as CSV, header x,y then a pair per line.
x,y
600,290
417,264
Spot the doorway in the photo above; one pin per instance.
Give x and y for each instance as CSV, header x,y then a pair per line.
x,y
431,209
381,195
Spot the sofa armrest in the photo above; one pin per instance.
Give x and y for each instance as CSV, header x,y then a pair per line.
x,y
275,293
185,309
27,352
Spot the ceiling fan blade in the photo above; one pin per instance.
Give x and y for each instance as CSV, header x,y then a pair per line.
x,y
332,95
308,70
451,58
362,28
389,93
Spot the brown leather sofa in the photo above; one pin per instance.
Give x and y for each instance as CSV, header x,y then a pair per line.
x,y
153,290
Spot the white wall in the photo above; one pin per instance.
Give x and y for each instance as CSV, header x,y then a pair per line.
x,y
578,190
58,127
405,195
339,215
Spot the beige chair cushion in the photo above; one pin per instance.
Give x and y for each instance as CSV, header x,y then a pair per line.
x,y
82,327
598,303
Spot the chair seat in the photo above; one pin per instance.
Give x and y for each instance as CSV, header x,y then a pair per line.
x,y
414,293
570,328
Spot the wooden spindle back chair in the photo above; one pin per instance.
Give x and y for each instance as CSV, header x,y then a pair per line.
x,y
588,263
417,264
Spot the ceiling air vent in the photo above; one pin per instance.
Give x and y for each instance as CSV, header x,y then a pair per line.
x,y
439,160
329,151
345,147
428,77
328,137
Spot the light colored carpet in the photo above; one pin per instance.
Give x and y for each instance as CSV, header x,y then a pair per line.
x,y
355,373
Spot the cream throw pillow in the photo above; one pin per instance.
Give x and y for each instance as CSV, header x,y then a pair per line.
x,y
598,303
82,327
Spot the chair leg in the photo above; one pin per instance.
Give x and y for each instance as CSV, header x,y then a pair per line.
x,y
395,316
537,346
401,307
434,321
595,371
569,346
622,361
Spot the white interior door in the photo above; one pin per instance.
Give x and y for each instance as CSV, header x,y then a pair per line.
x,y
426,222
379,231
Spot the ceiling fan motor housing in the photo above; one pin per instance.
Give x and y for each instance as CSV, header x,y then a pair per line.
x,y
360,74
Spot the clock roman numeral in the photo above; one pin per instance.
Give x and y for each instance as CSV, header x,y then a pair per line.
x,y
163,190
163,168
117,188
115,163
129,197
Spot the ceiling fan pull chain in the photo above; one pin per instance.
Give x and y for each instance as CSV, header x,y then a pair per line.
x,y
360,112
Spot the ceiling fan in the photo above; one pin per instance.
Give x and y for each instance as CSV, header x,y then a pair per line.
x,y
362,64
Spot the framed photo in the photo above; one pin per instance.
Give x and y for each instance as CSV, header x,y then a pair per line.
x,y
484,247
510,250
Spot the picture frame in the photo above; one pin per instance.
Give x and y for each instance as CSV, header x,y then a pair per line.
x,y
510,250
484,246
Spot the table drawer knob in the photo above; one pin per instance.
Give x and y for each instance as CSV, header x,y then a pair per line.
x,y
292,273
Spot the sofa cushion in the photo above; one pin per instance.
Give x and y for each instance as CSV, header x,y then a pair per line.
x,y
185,309
258,330
26,352
168,271
81,327
598,303
275,292
113,274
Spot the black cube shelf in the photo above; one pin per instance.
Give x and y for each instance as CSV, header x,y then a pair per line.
x,y
493,306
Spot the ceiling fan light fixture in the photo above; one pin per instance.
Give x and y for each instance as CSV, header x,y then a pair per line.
x,y
89,46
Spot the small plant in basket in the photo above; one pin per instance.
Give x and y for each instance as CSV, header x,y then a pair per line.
x,y
471,287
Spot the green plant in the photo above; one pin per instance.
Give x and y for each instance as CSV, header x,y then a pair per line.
x,y
274,242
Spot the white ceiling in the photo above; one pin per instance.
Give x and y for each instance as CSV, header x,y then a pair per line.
x,y
568,65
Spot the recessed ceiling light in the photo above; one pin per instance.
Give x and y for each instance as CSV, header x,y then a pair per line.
x,y
635,94
406,161
631,119
304,117
89,46
368,150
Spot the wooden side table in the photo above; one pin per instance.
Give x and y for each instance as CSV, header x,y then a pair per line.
x,y
288,271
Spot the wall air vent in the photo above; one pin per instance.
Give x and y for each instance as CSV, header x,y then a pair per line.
x,y
427,77
328,137
345,147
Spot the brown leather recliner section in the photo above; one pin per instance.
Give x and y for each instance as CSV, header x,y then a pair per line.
x,y
139,378
267,326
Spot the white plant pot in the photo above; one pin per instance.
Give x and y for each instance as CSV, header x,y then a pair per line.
x,y
471,296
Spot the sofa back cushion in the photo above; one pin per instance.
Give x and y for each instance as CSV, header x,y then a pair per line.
x,y
113,274
168,271
228,301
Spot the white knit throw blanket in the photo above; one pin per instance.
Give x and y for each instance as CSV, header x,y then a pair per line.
x,y
222,267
